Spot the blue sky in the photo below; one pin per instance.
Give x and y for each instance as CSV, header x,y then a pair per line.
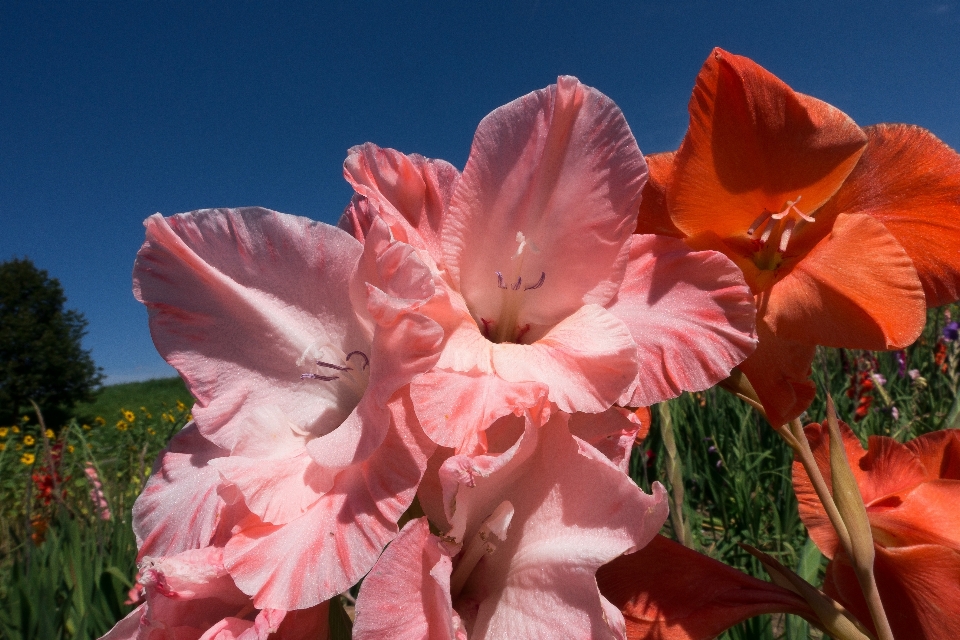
x,y
111,111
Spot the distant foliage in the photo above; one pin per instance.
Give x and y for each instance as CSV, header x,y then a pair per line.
x,y
41,356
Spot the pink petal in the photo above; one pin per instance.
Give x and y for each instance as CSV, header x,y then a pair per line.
x,y
560,166
455,408
410,192
690,313
179,508
406,595
337,539
573,512
129,627
612,433
587,361
242,302
276,490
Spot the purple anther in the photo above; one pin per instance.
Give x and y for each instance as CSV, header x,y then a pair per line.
x,y
516,287
500,281
317,376
321,363
366,360
543,276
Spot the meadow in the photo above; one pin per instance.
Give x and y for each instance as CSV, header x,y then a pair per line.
x,y
67,552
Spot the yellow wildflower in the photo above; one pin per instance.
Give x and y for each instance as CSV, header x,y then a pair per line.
x,y
24,419
4,431
3,446
189,417
49,434
100,421
28,441
181,407
86,427
122,426
27,458
70,448
15,429
151,432
128,415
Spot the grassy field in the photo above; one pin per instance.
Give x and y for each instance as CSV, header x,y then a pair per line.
x,y
67,553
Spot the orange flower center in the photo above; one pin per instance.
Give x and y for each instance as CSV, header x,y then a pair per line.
x,y
775,231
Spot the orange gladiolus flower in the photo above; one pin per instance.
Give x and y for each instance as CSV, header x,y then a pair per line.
x,y
911,492
845,235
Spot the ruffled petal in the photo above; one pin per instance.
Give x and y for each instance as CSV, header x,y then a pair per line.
x,y
910,181
927,514
669,592
754,144
587,361
654,217
551,187
856,289
454,408
242,302
612,433
410,192
180,506
779,371
575,512
690,314
407,593
939,453
337,539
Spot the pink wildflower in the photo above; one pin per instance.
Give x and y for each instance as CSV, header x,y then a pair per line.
x,y
97,497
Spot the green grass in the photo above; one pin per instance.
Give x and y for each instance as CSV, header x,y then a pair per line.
x,y
112,400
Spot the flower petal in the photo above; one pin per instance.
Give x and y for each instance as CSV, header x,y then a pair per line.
x,y
939,453
454,408
654,217
407,593
612,433
669,592
754,144
779,371
919,587
337,539
561,167
690,314
179,508
411,192
587,361
910,181
856,289
927,514
242,302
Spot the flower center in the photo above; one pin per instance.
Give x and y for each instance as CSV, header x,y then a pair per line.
x,y
506,328
776,230
352,376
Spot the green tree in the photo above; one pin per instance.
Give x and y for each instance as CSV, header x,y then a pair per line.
x,y
41,356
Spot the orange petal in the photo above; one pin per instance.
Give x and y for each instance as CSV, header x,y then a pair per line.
x,y
910,181
752,145
919,587
654,217
856,289
779,371
669,592
939,453
887,469
926,515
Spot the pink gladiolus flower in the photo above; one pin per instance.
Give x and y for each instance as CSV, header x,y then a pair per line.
x,y
295,340
97,497
527,530
545,287
190,596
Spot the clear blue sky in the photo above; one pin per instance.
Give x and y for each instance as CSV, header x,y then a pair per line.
x,y
111,111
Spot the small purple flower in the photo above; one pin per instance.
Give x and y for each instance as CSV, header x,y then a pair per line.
x,y
879,378
719,463
712,449
894,413
951,332
914,374
901,357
